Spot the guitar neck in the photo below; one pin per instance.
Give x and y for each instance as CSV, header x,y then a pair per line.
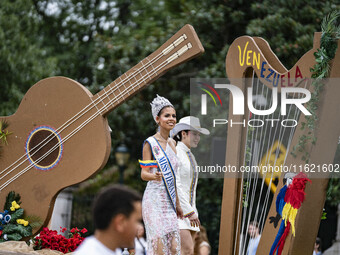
x,y
181,47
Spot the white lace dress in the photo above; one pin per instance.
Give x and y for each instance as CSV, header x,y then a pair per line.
x,y
160,219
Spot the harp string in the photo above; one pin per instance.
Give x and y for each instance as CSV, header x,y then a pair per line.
x,y
292,131
252,161
256,150
244,163
242,181
256,154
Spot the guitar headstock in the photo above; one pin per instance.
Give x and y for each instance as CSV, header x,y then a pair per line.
x,y
181,47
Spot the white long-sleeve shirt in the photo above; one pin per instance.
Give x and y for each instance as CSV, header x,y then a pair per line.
x,y
186,181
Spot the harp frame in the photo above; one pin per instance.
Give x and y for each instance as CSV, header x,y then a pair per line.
x,y
322,151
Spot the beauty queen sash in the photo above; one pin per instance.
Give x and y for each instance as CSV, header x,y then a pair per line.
x,y
169,178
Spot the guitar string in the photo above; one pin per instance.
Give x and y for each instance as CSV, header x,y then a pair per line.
x,y
98,98
65,138
165,52
57,145
60,129
69,135
150,63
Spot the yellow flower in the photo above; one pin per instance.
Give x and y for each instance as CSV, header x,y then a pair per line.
x,y
15,205
12,208
22,222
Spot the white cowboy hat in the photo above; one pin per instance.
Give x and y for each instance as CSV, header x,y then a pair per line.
x,y
189,123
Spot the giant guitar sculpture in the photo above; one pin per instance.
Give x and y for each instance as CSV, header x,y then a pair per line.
x,y
251,57
60,134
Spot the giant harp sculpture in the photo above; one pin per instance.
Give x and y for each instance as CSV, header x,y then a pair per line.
x,y
251,57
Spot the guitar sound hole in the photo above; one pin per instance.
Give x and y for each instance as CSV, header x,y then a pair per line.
x,y
44,148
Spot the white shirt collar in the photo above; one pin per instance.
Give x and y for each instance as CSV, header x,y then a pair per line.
x,y
183,146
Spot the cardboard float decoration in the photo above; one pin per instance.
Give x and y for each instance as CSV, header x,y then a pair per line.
x,y
60,135
251,57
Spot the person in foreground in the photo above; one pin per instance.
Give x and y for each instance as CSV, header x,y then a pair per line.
x,y
117,212
161,206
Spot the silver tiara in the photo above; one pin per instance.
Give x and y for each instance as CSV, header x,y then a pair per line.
x,y
157,104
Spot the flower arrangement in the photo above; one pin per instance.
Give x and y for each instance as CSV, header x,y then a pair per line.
x,y
50,239
13,225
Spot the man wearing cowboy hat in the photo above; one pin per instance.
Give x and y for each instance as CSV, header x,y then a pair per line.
x,y
187,135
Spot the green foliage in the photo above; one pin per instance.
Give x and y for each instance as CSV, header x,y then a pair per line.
x,y
12,237
320,71
17,215
17,230
12,196
3,133
35,221
23,59
12,224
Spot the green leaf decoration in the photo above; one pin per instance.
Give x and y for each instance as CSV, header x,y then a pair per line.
x,y
34,221
323,56
3,132
12,196
13,229
17,215
14,237
17,228
9,228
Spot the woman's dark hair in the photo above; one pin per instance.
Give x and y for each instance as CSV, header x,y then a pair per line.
x,y
178,137
111,201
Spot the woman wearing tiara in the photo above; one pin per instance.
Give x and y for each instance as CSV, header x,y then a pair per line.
x,y
160,206
187,135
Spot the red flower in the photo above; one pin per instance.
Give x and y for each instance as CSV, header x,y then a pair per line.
x,y
52,240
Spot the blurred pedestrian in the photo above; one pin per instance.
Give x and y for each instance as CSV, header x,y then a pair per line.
x,y
254,233
317,247
116,215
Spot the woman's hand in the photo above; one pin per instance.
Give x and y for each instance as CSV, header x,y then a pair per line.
x,y
179,212
194,221
157,176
